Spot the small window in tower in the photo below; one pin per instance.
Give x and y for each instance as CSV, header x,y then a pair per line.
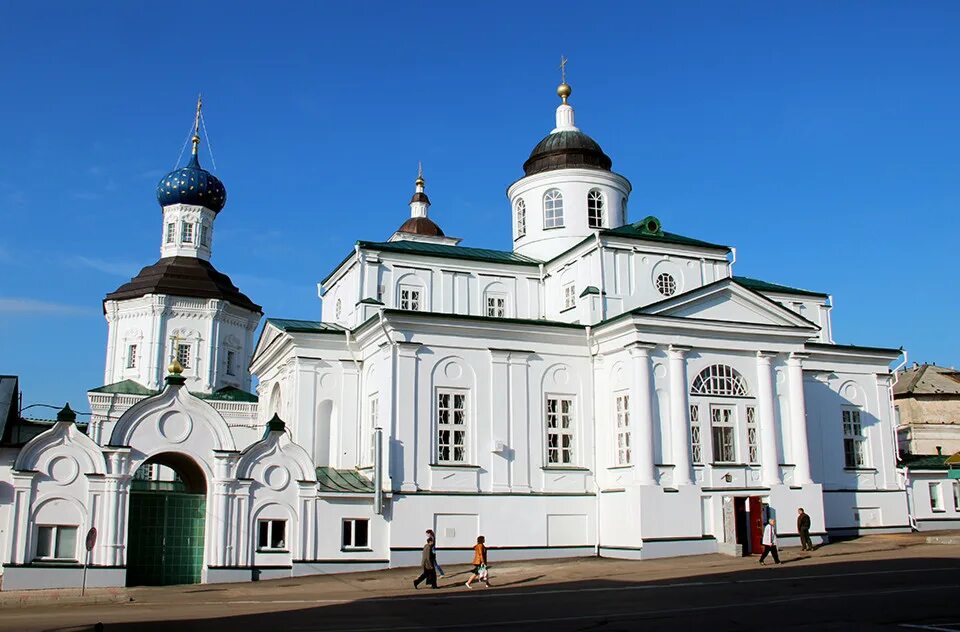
x,y
666,284
553,209
183,355
203,235
623,210
231,362
595,208
171,232
410,298
186,231
521,218
569,296
132,357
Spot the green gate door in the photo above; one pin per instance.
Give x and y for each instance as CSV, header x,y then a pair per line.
x,y
165,541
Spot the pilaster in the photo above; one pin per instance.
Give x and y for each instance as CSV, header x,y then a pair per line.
x,y
406,414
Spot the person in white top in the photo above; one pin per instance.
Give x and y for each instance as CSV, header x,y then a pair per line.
x,y
770,542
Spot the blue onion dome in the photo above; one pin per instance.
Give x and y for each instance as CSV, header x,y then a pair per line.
x,y
192,185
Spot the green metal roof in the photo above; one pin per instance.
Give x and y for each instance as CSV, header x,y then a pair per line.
x,y
125,387
342,481
229,394
637,230
924,461
305,326
590,289
765,286
450,252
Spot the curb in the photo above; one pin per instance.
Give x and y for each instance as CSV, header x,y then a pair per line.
x,y
30,598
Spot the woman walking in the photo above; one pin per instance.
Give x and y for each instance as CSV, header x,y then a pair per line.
x,y
436,564
770,542
480,570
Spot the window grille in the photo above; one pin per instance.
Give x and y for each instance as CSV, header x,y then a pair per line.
x,y
553,209
624,456
720,379
186,231
132,357
723,426
451,427
560,431
569,296
521,218
753,448
410,299
854,441
666,284
595,209
696,442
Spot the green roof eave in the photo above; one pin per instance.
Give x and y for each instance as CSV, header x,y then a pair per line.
x,y
370,301
765,286
829,346
591,289
632,232
290,325
925,461
487,319
229,394
330,479
450,252
124,387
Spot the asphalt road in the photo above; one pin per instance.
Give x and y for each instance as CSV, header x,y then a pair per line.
x,y
912,589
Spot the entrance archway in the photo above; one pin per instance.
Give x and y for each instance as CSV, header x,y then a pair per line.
x,y
167,520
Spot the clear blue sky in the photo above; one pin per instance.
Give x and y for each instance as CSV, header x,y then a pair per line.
x,y
819,138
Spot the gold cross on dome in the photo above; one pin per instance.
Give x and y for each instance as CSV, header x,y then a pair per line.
x,y
196,124
563,69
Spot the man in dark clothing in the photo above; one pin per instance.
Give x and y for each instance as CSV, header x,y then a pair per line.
x,y
803,528
429,565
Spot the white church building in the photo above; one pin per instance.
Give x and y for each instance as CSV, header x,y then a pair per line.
x,y
606,387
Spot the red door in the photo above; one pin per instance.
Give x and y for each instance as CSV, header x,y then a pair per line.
x,y
756,525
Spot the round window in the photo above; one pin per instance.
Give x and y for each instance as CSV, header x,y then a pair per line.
x,y
666,284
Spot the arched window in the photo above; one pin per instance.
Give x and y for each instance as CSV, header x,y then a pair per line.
x,y
623,210
595,208
521,218
720,379
553,209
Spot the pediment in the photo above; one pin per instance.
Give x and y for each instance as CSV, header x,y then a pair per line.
x,y
727,301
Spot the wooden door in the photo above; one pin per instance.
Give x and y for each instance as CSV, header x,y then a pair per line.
x,y
756,524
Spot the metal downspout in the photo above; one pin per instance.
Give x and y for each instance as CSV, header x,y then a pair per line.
x,y
378,449
593,420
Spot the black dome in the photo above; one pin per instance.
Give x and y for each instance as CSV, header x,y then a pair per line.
x,y
566,150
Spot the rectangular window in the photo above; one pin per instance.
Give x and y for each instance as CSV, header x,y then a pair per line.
x,y
496,306
374,411
559,431
936,497
696,442
854,452
451,426
186,233
623,430
203,235
723,426
956,496
231,362
569,296
132,356
183,355
410,298
753,448
271,535
171,232
56,542
356,533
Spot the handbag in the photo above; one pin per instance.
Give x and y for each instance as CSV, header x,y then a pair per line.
x,y
482,572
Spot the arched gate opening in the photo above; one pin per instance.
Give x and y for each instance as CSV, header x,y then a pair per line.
x,y
167,520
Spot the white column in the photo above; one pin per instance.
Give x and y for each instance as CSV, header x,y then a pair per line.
x,y
769,463
798,421
679,415
19,534
641,415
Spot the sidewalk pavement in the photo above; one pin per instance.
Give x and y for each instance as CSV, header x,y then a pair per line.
x,y
351,586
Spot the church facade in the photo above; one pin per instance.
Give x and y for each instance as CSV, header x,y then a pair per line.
x,y
606,387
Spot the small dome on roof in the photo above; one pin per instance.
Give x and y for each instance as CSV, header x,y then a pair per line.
x,y
566,150
421,226
192,185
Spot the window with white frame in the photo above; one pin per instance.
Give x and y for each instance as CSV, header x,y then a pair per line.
x,y
720,379
624,456
560,431
372,413
753,446
451,426
696,441
410,298
271,535
131,356
623,210
521,209
553,209
666,284
595,208
204,235
171,232
183,355
956,496
936,497
57,542
356,533
854,441
723,427
569,295
186,232
496,306
231,362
